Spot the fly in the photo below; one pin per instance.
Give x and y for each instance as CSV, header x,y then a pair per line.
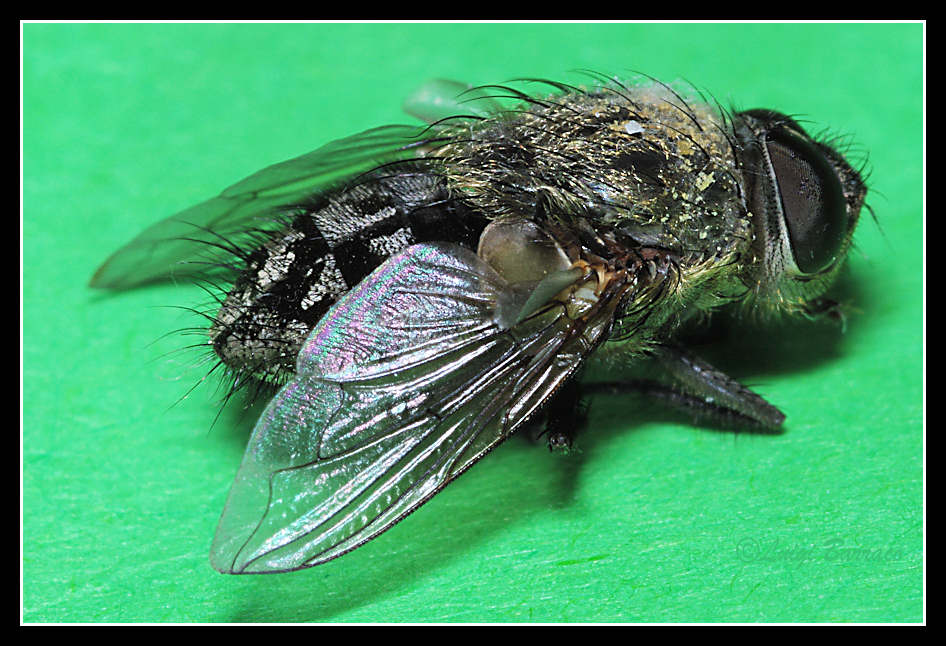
x,y
416,295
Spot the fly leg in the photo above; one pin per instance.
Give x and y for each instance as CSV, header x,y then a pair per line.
x,y
565,414
692,384
827,309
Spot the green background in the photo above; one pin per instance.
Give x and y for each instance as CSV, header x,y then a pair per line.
x,y
653,520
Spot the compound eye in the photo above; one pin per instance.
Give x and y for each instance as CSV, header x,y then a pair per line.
x,y
812,199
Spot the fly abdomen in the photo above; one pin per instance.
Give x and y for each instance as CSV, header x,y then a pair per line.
x,y
326,247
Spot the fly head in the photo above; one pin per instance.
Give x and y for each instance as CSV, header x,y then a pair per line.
x,y
804,198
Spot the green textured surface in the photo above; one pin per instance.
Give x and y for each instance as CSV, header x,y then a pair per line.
x,y
655,520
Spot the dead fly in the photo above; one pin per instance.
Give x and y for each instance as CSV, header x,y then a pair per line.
x,y
417,294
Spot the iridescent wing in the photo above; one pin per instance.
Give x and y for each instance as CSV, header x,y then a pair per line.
x,y
177,245
407,381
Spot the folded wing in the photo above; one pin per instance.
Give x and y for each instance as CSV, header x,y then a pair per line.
x,y
180,245
405,383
